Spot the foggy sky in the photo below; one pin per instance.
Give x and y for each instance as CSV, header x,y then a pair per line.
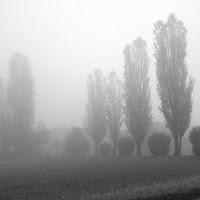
x,y
66,39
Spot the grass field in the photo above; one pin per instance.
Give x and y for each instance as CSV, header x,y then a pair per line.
x,y
100,178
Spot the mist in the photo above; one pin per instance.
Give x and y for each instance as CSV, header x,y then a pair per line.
x,y
67,40
99,99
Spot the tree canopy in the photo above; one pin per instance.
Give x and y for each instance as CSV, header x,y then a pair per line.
x,y
174,86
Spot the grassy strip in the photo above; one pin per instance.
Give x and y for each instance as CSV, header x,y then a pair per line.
x,y
169,188
191,194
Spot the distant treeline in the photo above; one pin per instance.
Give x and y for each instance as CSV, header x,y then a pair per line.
x,y
111,102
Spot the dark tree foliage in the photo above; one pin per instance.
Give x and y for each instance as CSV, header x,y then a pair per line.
x,y
114,107
20,96
174,86
77,143
159,144
138,116
194,138
95,120
126,146
105,148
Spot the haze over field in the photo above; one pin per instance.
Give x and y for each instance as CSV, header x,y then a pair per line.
x,y
67,40
99,99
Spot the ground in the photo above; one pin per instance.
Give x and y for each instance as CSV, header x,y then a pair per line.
x,y
99,178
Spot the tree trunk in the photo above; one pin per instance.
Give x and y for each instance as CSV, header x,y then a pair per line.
x,y
179,146
96,148
176,146
114,147
139,151
179,150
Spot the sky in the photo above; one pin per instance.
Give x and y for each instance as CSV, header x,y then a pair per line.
x,y
65,40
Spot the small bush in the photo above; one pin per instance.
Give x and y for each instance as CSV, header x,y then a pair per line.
x,y
159,144
194,138
77,143
105,148
126,146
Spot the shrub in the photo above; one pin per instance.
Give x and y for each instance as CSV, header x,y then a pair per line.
x,y
126,146
159,144
77,143
194,138
105,148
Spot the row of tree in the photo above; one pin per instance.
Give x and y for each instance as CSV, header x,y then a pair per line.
x,y
159,143
105,107
112,102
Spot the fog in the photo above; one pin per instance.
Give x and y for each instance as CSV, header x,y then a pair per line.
x,y
67,40
79,102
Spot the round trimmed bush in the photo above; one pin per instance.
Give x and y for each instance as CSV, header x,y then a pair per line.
x,y
194,138
105,148
126,146
77,143
159,144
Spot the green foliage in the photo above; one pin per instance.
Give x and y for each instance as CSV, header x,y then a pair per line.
x,y
174,85
159,144
77,143
105,148
126,146
194,138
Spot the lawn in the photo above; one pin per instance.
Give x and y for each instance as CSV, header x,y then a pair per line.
x,y
99,178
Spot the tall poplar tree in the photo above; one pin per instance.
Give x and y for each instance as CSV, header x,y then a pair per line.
x,y
137,92
20,96
95,119
174,85
114,107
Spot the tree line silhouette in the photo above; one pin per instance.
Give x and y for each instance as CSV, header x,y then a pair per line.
x,y
106,107
111,101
